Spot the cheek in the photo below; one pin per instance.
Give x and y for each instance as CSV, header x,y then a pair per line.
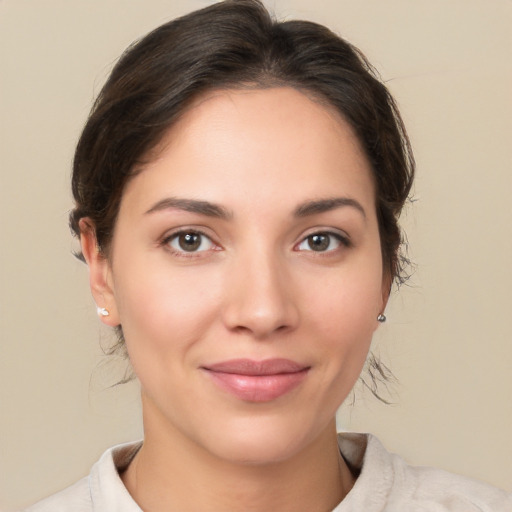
x,y
350,300
163,310
343,314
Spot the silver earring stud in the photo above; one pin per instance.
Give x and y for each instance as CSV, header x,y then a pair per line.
x,y
381,318
103,312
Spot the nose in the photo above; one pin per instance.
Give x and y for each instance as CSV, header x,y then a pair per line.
x,y
260,299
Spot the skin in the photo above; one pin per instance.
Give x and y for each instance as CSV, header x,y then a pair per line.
x,y
254,288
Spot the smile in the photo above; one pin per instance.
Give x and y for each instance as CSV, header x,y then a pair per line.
x,y
257,381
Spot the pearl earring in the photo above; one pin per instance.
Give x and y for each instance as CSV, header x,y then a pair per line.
x,y
381,318
102,311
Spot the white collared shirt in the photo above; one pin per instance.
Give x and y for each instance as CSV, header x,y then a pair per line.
x,y
386,483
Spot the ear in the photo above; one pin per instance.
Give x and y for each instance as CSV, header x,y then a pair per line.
x,y
100,273
387,282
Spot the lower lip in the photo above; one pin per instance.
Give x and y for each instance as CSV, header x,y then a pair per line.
x,y
258,388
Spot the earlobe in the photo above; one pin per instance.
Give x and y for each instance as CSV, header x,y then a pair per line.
x,y
100,274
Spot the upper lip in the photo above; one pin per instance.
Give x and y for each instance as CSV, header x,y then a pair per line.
x,y
252,367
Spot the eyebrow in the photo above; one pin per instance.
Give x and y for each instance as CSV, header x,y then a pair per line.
x,y
192,206
325,205
214,210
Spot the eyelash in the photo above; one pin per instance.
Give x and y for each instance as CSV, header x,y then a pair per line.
x,y
338,237
183,253
341,239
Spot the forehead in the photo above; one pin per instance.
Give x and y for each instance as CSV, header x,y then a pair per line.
x,y
256,142
257,114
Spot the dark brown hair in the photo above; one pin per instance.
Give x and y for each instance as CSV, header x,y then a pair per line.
x,y
234,44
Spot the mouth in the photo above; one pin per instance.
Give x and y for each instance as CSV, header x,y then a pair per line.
x,y
257,381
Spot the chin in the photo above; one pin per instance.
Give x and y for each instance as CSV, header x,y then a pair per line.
x,y
263,441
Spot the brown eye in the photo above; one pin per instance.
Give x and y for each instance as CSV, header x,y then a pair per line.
x,y
190,241
319,242
323,242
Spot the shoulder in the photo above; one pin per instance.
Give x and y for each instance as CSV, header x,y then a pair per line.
x,y
76,498
388,479
429,486
102,491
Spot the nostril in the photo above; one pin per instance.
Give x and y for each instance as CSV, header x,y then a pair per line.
x,y
261,331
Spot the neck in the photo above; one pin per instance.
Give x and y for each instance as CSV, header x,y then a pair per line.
x,y
171,472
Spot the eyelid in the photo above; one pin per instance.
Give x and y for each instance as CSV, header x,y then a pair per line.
x,y
173,234
341,236
339,233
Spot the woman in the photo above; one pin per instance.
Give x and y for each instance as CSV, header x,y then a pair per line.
x,y
237,190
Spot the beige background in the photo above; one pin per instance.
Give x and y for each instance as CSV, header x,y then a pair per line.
x,y
448,339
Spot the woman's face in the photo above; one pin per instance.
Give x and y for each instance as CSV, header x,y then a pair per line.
x,y
246,273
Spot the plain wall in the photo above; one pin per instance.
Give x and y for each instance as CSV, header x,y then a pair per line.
x,y
448,338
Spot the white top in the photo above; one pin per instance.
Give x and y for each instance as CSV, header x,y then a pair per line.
x,y
385,484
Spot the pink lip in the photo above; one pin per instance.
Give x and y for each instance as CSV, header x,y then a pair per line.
x,y
257,381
